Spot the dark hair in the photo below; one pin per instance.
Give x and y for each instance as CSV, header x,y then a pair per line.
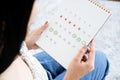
x,y
13,23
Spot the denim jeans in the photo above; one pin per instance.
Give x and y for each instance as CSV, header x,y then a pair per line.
x,y
56,72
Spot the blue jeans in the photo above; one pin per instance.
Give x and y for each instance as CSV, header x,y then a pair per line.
x,y
56,72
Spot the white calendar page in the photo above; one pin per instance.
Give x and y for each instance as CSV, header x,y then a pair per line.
x,y
72,26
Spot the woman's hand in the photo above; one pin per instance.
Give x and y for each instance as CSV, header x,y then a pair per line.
x,y
33,37
79,66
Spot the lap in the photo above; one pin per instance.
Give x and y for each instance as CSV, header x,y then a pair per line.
x,y
56,71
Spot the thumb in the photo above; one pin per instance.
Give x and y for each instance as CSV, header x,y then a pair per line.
x,y
81,53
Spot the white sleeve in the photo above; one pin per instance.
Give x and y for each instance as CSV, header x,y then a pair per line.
x,y
36,68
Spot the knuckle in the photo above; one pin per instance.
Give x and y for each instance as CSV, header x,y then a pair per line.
x,y
90,67
76,59
82,51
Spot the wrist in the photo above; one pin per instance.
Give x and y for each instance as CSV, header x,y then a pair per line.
x,y
27,45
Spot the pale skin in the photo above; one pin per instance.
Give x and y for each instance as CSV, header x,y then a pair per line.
x,y
78,67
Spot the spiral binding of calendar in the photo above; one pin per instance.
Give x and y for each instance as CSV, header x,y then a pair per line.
x,y
99,5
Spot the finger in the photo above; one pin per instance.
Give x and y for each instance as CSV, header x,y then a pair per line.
x,y
88,50
81,53
91,56
42,28
92,46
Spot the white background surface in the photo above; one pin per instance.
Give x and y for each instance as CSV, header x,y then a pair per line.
x,y
108,39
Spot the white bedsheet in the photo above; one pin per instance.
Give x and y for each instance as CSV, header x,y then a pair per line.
x,y
108,39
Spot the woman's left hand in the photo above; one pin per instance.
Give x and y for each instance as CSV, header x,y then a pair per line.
x,y
33,37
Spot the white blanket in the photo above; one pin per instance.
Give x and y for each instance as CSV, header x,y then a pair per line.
x,y
108,39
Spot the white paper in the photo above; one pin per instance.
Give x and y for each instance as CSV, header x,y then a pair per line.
x,y
72,25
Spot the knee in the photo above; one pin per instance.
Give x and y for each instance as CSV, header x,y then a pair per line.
x,y
101,62
101,58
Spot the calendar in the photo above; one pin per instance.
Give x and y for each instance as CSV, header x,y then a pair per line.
x,y
73,24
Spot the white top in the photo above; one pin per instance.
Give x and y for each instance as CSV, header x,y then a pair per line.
x,y
36,68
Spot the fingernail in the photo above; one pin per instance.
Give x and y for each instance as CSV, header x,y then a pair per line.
x,y
46,22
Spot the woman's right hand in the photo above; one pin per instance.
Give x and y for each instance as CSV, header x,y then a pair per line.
x,y
79,67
